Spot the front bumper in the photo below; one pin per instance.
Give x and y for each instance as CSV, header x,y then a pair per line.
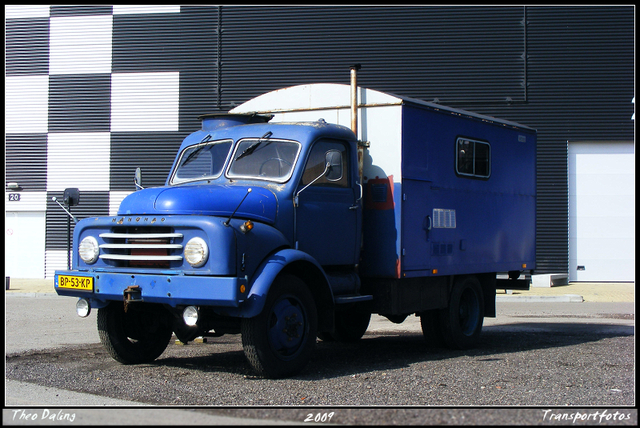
x,y
173,290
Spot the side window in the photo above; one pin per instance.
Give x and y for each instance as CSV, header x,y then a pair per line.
x,y
473,158
317,162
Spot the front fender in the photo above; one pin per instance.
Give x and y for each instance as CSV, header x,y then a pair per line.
x,y
291,260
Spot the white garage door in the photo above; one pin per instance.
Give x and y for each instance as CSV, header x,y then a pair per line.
x,y
601,212
24,244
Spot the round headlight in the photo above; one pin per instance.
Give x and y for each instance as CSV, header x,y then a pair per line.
x,y
196,252
88,250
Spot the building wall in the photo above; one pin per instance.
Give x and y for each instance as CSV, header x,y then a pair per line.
x,y
92,92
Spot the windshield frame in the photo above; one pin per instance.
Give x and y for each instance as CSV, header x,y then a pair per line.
x,y
193,148
270,141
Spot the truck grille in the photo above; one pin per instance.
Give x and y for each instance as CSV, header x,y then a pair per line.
x,y
141,248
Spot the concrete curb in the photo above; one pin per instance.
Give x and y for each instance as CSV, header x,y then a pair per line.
x,y
566,298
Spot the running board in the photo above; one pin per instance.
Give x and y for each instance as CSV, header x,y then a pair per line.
x,y
342,300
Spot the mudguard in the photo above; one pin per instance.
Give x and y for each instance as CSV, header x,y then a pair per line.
x,y
266,273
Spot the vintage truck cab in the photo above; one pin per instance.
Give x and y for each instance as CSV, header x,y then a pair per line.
x,y
254,223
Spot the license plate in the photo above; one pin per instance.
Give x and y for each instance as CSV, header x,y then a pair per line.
x,y
82,283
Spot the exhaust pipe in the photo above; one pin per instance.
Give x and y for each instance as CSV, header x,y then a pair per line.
x,y
354,115
354,98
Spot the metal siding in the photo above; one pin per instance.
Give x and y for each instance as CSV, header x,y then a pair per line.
x,y
578,68
26,161
186,42
27,46
92,204
80,103
448,53
581,81
153,152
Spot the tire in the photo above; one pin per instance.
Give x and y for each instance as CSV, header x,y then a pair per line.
x,y
350,325
280,341
461,322
132,337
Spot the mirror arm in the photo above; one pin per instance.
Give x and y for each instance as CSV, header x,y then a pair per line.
x,y
326,169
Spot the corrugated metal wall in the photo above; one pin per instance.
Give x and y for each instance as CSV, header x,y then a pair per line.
x,y
76,79
452,54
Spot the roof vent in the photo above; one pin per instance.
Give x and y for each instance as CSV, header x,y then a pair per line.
x,y
213,121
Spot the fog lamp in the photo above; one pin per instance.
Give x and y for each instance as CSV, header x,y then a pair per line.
x,y
83,308
190,315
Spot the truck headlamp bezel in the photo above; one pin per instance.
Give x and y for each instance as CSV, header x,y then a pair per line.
x,y
196,252
89,250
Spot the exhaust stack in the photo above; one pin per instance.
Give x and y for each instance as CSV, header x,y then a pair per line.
x,y
354,115
354,98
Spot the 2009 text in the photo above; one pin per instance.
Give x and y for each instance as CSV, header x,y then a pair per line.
x,y
319,417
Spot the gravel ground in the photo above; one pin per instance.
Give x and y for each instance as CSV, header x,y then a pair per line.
x,y
509,369
532,358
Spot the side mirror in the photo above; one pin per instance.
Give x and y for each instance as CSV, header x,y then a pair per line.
x,y
332,170
333,160
138,179
71,197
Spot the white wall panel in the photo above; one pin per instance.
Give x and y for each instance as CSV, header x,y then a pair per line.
x,y
80,44
22,11
29,201
115,198
79,159
26,102
54,260
145,101
24,244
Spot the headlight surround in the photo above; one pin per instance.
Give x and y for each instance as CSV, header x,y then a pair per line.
x,y
88,250
196,252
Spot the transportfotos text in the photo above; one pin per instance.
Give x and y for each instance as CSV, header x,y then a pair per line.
x,y
598,416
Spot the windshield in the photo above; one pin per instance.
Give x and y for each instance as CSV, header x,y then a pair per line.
x,y
264,159
202,161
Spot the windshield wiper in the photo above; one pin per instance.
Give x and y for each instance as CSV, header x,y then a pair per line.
x,y
252,148
194,153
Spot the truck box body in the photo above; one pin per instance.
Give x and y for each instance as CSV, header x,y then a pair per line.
x,y
427,212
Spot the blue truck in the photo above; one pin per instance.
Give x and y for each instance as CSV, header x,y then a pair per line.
x,y
280,223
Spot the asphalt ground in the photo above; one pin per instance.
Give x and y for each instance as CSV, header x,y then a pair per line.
x,y
89,408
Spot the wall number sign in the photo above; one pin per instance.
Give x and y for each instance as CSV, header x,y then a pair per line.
x,y
13,197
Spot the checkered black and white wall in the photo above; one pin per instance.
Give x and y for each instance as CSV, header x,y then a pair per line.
x,y
94,92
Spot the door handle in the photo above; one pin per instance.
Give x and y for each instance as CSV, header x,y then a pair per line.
x,y
359,200
426,225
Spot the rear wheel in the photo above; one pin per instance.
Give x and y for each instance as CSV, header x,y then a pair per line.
x,y
133,337
461,322
280,341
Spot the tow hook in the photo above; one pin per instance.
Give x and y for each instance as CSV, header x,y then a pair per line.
x,y
131,294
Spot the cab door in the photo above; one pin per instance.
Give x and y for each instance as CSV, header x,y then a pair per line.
x,y
328,211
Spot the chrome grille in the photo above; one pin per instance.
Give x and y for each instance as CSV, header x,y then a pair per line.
x,y
137,248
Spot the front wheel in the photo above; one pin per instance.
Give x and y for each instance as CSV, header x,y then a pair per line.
x,y
280,341
461,322
133,337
